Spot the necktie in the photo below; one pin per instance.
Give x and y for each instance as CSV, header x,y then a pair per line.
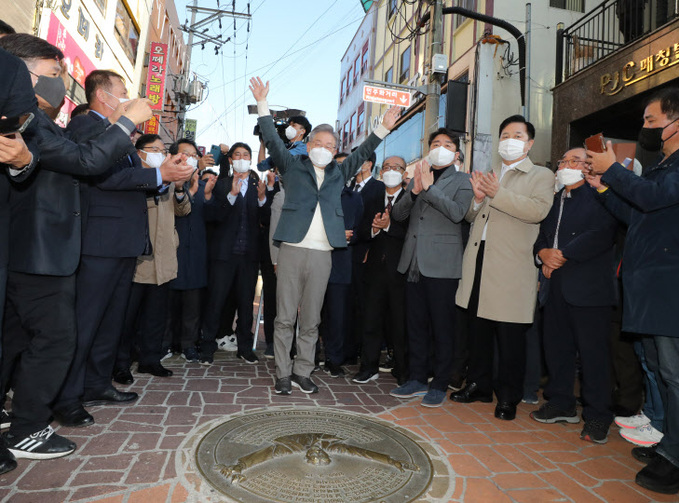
x,y
389,203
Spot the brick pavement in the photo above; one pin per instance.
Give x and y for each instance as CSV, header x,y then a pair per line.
x,y
143,453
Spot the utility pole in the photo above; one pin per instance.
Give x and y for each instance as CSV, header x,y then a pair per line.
x,y
431,114
213,15
526,107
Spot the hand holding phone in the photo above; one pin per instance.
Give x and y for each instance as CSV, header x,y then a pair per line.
x,y
15,125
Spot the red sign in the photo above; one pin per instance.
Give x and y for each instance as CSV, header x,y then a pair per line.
x,y
155,80
386,96
79,65
152,125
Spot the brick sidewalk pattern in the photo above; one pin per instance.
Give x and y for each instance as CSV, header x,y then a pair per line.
x,y
143,453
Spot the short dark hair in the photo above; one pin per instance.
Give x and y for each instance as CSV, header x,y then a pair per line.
x,y
449,133
80,109
669,101
174,148
518,118
238,144
146,139
99,79
208,171
28,47
302,121
6,29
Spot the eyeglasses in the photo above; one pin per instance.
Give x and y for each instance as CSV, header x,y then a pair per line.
x,y
195,156
156,150
571,163
393,167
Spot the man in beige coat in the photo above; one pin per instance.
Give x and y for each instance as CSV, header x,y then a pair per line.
x,y
499,277
147,307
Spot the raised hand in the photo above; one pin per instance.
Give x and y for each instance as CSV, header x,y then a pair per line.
x,y
235,185
206,161
479,195
261,190
417,179
175,169
209,186
600,162
426,175
14,151
390,118
259,89
490,184
137,110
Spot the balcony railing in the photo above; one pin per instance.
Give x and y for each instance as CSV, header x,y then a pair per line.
x,y
610,26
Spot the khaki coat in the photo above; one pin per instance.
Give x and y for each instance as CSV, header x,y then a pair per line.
x,y
509,278
161,266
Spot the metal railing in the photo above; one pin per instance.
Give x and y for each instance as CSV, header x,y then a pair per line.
x,y
605,29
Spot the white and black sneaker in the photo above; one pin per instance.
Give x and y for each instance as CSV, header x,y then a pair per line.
x,y
43,444
5,419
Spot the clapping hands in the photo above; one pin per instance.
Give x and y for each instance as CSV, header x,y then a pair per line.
x,y
484,185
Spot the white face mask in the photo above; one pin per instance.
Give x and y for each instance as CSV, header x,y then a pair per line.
x,y
192,161
290,132
511,149
320,157
441,156
568,176
241,165
154,159
120,100
392,178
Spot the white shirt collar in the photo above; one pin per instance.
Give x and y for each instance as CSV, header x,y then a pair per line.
x,y
394,195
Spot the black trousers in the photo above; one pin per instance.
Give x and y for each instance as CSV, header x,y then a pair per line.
x,y
352,339
570,331
431,329
102,291
183,327
39,341
385,308
461,356
269,294
145,321
239,273
335,321
510,339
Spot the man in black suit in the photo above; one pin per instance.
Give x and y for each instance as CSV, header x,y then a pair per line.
x,y
575,250
372,191
385,287
237,207
335,312
114,233
44,252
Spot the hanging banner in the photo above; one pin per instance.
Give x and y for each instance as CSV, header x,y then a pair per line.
x,y
190,129
155,80
152,125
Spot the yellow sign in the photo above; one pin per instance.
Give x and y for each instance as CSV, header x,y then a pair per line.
x,y
633,72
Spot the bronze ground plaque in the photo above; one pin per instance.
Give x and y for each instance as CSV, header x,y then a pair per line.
x,y
312,455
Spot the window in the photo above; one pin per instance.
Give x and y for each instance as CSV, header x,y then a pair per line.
x,y
126,31
392,8
349,80
364,58
360,119
465,4
405,65
345,134
342,90
357,69
574,5
102,7
389,76
352,127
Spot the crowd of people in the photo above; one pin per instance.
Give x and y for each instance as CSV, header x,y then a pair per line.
x,y
117,248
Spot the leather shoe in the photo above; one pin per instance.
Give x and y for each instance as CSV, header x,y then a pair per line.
x,y
75,417
110,396
7,461
155,369
470,393
123,376
506,411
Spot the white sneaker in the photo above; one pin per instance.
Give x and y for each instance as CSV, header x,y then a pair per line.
x,y
645,435
632,422
228,343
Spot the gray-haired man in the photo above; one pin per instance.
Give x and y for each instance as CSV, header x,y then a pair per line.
x,y
310,226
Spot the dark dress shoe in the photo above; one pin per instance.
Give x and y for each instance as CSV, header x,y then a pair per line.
x,y
645,454
470,393
109,396
75,417
660,476
506,411
155,369
7,461
123,376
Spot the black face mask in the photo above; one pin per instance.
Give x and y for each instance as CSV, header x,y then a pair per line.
x,y
51,89
651,138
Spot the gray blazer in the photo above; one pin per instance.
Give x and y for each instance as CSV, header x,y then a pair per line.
x,y
434,232
302,193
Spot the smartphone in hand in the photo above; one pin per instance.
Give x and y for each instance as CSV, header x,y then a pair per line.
x,y
596,143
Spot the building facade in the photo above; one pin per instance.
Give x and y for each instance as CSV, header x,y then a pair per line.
x,y
483,63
